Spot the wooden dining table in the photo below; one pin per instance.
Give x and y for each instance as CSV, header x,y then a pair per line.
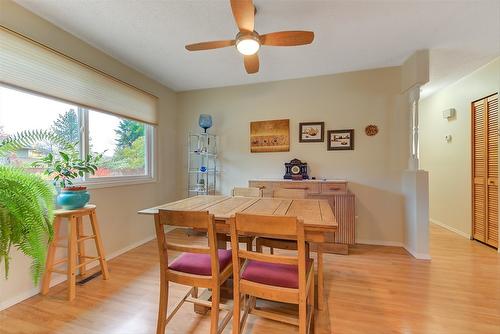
x,y
316,214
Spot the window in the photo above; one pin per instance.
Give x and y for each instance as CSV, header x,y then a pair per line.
x,y
126,144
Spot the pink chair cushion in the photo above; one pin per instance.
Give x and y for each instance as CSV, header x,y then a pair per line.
x,y
283,275
199,264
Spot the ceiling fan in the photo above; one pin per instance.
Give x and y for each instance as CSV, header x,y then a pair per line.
x,y
248,41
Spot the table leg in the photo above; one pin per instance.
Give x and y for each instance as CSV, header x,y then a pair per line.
x,y
221,241
200,309
321,280
207,295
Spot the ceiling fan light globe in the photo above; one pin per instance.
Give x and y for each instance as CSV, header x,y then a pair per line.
x,y
247,46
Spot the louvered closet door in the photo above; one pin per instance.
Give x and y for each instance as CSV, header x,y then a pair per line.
x,y
479,170
485,170
492,181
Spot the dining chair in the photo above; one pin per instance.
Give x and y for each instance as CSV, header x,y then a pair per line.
x,y
197,266
273,243
247,192
280,278
276,243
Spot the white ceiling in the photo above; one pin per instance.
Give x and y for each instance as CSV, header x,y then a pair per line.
x,y
150,35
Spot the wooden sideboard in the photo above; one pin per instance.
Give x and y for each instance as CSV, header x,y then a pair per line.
x,y
338,195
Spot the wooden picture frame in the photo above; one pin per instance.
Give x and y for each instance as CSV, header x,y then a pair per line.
x,y
270,136
312,132
340,140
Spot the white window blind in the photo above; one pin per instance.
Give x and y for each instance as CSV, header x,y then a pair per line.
x,y
32,66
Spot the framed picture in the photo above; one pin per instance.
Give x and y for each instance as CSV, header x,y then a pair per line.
x,y
270,136
340,140
312,132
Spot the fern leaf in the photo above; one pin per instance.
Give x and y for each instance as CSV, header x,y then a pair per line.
x,y
26,216
29,138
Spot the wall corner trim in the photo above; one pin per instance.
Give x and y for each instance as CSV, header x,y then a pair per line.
x,y
418,256
415,70
449,228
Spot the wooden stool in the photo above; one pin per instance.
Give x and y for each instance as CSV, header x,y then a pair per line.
x,y
75,240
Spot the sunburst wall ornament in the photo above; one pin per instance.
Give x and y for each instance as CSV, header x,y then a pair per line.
x,y
371,130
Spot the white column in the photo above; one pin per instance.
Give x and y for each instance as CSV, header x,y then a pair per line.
x,y
413,97
415,184
416,190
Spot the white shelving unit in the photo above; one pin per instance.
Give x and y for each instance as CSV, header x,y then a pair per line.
x,y
202,164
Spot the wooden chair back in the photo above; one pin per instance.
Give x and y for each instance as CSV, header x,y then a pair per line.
x,y
247,192
198,220
272,226
289,193
187,219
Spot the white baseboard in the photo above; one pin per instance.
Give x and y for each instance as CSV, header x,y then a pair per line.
x,y
380,243
29,293
418,256
57,279
449,228
129,247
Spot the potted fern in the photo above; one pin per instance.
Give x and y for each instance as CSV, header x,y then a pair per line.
x,y
26,216
26,206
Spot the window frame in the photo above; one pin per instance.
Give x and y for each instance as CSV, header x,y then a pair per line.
x,y
115,181
150,133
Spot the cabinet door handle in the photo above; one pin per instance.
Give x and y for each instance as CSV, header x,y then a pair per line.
x,y
334,188
297,188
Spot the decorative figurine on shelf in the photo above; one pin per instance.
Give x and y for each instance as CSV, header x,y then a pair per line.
x,y
201,185
296,170
205,122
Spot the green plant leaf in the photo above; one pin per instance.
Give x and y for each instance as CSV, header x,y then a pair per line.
x,y
26,217
64,156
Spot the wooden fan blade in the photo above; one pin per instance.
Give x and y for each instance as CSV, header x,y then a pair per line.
x,y
209,45
252,63
244,14
287,38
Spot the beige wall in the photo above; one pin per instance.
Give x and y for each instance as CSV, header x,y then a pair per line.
x,y
449,164
343,101
350,100
121,227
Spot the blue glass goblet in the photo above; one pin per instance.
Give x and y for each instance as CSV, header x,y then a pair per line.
x,y
205,122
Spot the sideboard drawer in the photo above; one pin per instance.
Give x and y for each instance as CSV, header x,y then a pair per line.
x,y
309,187
333,187
266,186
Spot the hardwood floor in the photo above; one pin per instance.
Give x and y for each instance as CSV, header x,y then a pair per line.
x,y
374,290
